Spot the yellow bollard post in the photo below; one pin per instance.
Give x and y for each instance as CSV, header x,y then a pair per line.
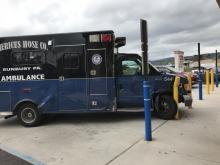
x,y
176,94
189,77
212,80
207,82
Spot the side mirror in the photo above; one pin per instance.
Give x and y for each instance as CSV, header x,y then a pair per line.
x,y
120,41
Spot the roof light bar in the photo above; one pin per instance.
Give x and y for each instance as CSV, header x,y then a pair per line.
x,y
106,38
94,38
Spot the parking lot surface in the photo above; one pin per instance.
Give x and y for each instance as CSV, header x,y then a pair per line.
x,y
118,138
78,139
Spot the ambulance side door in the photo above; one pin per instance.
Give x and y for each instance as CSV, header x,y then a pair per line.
x,y
129,82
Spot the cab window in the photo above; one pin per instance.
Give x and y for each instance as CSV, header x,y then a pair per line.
x,y
130,67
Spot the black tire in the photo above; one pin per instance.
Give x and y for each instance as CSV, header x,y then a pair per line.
x,y
166,107
28,115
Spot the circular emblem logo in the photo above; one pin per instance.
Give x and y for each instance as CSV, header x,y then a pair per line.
x,y
96,59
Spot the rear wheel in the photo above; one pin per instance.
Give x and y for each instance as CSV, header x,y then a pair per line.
x,y
166,107
28,115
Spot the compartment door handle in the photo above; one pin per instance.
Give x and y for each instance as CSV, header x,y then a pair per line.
x,y
61,78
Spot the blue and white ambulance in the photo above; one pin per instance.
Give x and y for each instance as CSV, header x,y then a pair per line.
x,y
75,73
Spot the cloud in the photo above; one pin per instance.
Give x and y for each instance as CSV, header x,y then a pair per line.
x,y
173,24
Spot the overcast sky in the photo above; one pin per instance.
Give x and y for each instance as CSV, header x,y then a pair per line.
x,y
173,24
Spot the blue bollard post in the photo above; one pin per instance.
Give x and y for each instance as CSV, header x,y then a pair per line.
x,y
200,85
216,77
147,111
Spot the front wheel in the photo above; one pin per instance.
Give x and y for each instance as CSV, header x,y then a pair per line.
x,y
28,115
166,107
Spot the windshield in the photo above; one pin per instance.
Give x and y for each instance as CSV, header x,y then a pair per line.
x,y
150,65
154,67
173,69
168,69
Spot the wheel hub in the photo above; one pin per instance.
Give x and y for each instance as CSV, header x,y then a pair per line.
x,y
28,115
164,106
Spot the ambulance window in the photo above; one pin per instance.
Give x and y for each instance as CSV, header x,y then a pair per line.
x,y
28,58
130,67
71,61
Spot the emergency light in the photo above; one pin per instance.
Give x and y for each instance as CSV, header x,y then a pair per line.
x,y
106,37
100,38
94,38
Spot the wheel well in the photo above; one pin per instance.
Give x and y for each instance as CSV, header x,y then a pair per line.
x,y
21,104
162,93
156,96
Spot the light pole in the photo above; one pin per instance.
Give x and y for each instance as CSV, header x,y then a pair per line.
x,y
218,1
216,68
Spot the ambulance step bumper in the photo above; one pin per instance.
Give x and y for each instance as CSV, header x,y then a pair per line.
x,y
187,100
4,114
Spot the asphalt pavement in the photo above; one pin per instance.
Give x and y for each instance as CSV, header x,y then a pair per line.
x,y
9,159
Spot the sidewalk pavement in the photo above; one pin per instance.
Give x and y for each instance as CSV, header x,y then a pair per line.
x,y
117,138
193,140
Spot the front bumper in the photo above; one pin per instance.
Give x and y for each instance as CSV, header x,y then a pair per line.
x,y
187,100
4,114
